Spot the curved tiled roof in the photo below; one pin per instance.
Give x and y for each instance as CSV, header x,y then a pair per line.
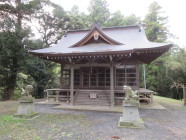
x,y
130,38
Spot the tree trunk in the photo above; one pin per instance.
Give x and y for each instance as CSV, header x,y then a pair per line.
x,y
40,91
11,84
184,95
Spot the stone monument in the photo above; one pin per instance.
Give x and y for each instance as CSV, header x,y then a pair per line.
x,y
130,118
26,108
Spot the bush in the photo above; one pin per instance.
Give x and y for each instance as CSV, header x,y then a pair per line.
x,y
17,94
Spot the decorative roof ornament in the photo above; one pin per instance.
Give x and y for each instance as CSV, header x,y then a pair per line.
x,y
96,36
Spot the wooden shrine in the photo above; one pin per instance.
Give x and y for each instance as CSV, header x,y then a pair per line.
x,y
96,63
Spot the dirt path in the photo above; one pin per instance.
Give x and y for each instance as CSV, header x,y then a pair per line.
x,y
166,124
54,124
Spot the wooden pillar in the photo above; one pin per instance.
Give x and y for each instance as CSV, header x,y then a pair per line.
x,y
137,76
47,94
61,78
57,96
112,85
72,85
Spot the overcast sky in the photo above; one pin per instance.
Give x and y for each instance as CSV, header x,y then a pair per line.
x,y
174,9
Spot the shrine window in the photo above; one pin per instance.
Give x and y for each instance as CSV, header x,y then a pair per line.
x,y
126,75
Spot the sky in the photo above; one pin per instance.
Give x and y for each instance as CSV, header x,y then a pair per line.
x,y
174,9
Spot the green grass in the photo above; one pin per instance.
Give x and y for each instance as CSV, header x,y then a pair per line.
x,y
168,100
46,126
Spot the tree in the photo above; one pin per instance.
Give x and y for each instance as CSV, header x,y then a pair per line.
x,y
132,20
155,24
78,20
52,24
14,33
156,31
117,19
42,71
176,65
99,11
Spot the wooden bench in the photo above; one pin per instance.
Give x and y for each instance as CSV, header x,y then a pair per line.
x,y
145,95
57,96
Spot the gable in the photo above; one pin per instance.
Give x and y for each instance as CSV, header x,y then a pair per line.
x,y
96,35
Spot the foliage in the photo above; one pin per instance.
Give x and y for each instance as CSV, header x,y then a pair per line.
x,y
1,98
77,20
156,31
155,24
14,33
99,11
42,72
14,43
52,24
117,19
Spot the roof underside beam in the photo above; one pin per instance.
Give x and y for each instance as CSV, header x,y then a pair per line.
x,y
138,56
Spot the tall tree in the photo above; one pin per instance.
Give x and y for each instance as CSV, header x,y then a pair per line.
x,y
132,20
176,71
156,31
42,71
155,24
99,11
52,23
118,19
77,19
14,32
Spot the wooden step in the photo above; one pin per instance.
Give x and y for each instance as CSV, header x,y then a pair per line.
x,y
82,98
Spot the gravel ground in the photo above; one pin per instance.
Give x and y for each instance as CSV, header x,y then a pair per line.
x,y
169,124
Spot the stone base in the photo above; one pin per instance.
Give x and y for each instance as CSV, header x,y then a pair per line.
x,y
26,109
130,124
23,116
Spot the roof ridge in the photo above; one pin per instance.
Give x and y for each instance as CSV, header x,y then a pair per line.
x,y
113,27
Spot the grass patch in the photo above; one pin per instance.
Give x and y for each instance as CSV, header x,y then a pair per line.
x,y
8,107
168,100
46,126
8,124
